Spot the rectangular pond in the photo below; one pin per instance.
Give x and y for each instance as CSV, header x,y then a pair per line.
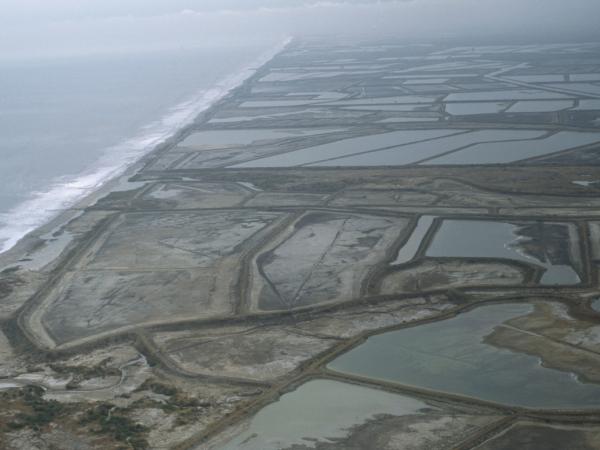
x,y
408,119
588,105
585,77
426,81
502,153
550,78
521,94
346,147
400,108
228,138
474,108
297,76
256,117
544,245
580,88
536,106
314,113
276,103
320,95
384,100
413,153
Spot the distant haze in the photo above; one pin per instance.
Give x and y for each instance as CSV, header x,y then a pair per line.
x,y
64,27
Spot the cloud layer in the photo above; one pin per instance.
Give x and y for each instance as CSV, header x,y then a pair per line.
x,y
29,27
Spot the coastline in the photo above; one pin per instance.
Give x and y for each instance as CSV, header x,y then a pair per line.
x,y
35,244
208,302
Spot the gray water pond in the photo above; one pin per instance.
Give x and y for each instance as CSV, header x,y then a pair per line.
x,y
409,154
217,138
537,106
410,248
502,153
521,94
453,356
487,239
318,410
474,108
346,147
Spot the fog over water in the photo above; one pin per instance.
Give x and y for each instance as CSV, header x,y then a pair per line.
x,y
39,27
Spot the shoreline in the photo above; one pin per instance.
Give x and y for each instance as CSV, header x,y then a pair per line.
x,y
26,249
229,291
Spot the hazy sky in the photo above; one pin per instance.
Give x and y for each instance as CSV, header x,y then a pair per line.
x,y
51,27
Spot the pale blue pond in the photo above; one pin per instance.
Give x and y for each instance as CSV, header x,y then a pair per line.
x,y
409,154
487,239
317,410
550,78
537,106
218,138
473,108
521,94
346,147
500,153
453,356
384,100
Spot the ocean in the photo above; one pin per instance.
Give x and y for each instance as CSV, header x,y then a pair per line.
x,y
69,125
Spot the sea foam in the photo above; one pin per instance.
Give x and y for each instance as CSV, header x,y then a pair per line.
x,y
64,193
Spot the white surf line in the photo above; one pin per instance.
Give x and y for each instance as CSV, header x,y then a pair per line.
x,y
44,206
